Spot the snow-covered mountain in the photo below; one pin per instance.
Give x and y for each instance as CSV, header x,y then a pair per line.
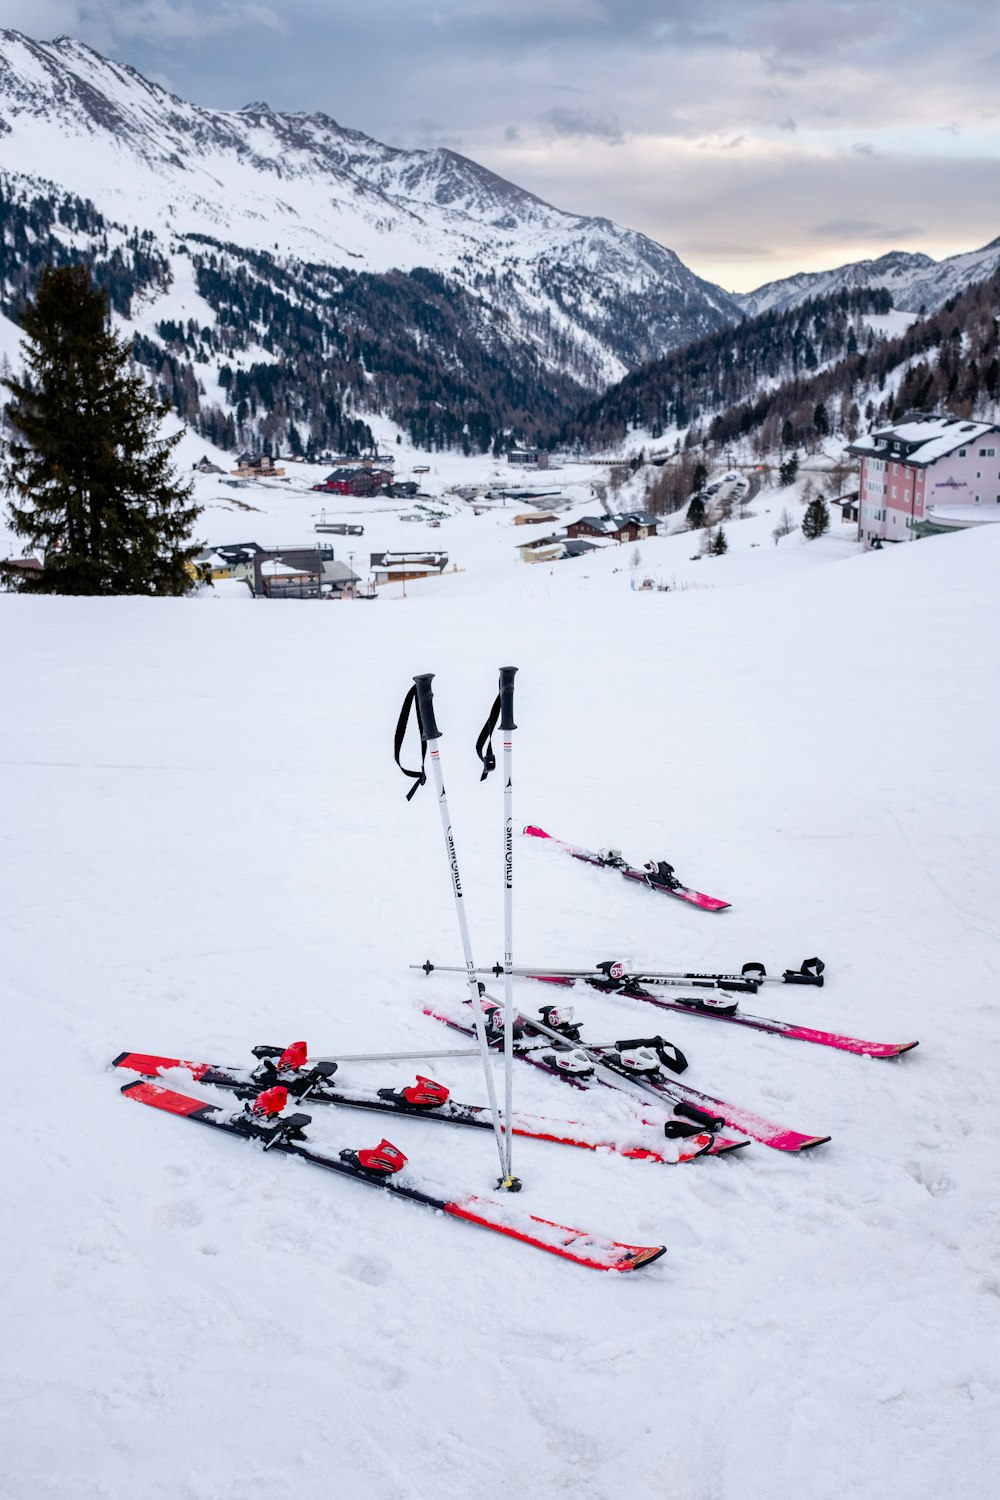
x,y
594,299
914,280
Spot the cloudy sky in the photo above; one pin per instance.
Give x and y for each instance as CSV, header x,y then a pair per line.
x,y
754,137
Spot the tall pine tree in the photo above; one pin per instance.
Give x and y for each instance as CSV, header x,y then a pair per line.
x,y
89,471
816,521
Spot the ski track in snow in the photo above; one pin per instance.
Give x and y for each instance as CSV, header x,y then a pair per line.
x,y
205,846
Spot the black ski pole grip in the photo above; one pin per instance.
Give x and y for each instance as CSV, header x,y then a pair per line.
x,y
811,972
699,1116
507,698
425,706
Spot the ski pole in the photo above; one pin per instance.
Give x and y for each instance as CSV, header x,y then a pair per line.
x,y
503,709
752,975
430,734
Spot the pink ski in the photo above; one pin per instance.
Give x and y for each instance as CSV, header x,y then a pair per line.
x,y
591,857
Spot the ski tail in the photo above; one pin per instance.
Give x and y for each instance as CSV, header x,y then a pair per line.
x,y
577,1245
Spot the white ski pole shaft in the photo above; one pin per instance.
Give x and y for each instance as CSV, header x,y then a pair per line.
x,y
507,727
431,734
349,1057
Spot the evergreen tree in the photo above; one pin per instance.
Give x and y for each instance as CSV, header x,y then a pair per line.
x,y
719,543
816,520
91,480
788,473
696,513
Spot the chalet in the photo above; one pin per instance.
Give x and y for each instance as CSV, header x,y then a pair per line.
x,y
400,567
235,557
554,549
289,573
339,528
211,564
528,458
262,467
535,518
14,568
542,549
357,481
925,462
635,526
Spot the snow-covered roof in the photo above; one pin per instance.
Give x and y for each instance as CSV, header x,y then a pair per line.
x,y
275,568
922,440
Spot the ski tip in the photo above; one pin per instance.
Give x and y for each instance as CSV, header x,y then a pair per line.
x,y
116,1062
531,831
640,1257
815,1140
725,1146
898,1051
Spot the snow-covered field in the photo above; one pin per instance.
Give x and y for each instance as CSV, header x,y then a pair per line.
x,y
205,845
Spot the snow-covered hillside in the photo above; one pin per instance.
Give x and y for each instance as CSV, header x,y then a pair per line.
x,y
205,846
916,281
309,190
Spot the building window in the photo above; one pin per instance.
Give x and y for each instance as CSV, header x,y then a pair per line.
x,y
987,453
962,452
894,492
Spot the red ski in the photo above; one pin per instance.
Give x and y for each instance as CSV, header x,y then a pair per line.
x,y
656,880
426,1100
380,1167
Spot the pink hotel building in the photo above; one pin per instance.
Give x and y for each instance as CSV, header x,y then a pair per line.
x,y
926,464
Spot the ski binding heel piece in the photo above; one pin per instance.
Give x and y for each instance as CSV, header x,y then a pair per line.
x,y
380,1161
574,1062
424,1094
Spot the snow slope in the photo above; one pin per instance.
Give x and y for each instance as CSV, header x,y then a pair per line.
x,y
308,189
205,845
915,280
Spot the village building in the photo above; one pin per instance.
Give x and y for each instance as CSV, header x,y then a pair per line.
x,y
528,458
262,467
401,567
926,468
364,480
542,549
634,526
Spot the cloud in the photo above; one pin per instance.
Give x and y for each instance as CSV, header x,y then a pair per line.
x,y
577,122
807,29
862,148
429,135
863,229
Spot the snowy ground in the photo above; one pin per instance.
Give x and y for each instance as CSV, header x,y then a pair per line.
x,y
205,846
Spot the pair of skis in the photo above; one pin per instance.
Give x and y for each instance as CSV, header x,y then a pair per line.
x,y
426,1099
615,978
647,1063
383,1167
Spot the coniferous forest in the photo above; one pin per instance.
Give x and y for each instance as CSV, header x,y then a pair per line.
x,y
296,356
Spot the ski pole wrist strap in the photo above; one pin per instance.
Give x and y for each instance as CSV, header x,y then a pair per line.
x,y
419,777
484,744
